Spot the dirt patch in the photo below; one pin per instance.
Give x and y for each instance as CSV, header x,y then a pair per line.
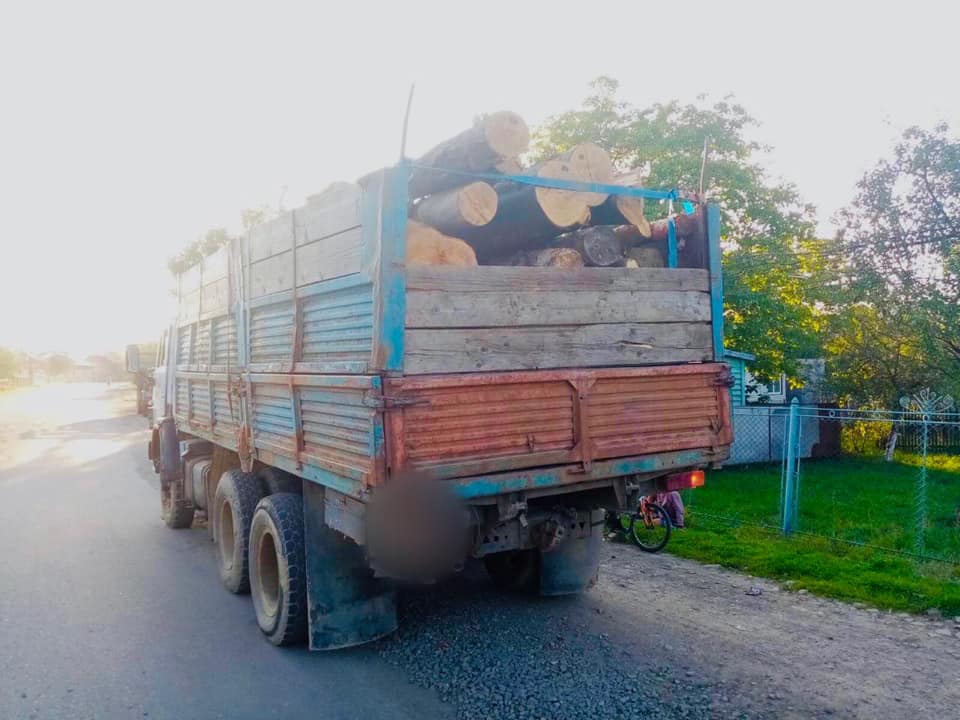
x,y
784,653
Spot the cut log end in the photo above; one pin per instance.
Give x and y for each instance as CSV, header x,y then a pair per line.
x,y
591,163
632,210
477,203
562,207
427,246
507,134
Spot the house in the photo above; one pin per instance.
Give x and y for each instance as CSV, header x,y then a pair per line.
x,y
738,368
760,412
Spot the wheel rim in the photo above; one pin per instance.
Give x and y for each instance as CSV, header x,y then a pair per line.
x,y
651,533
225,525
268,575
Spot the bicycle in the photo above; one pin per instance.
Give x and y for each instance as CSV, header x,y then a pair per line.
x,y
648,526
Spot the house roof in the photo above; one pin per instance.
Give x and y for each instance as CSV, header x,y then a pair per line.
x,y
727,352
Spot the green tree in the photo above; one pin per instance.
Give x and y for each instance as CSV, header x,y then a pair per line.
x,y
899,261
216,238
771,256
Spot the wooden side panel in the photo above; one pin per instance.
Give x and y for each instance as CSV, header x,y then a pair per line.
x,y
541,347
329,257
270,238
499,318
272,275
450,309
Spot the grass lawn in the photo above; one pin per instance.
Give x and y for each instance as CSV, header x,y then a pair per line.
x,y
863,500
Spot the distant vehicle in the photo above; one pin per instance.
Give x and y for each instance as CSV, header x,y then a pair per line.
x,y
141,360
346,420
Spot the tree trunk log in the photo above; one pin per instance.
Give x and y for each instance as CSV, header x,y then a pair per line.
x,y
590,163
644,256
456,211
479,149
599,245
561,257
620,209
427,246
527,216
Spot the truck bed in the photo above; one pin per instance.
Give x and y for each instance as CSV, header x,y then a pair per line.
x,y
351,369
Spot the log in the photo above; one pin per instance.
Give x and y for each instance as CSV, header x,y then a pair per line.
x,y
590,163
599,245
561,257
481,148
527,216
620,209
428,246
687,226
455,211
644,256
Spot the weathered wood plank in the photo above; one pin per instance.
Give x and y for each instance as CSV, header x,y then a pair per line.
x,y
528,348
190,280
270,238
330,257
189,310
452,309
491,279
271,275
215,265
215,297
316,221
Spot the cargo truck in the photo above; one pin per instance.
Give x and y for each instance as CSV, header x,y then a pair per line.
x,y
347,422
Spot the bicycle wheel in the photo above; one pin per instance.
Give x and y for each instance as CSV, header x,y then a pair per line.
x,y
651,531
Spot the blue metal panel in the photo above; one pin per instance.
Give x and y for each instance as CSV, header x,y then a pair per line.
x,y
716,278
672,259
271,333
385,240
337,323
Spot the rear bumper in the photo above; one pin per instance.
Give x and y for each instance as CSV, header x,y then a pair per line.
x,y
567,478
498,430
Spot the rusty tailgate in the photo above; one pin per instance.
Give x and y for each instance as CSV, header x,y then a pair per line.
x,y
451,426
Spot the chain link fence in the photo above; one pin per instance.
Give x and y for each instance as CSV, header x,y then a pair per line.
x,y
884,479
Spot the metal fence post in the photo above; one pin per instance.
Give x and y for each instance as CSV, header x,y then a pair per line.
x,y
791,469
921,512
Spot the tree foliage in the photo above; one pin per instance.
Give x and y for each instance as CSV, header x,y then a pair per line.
x,y
216,238
770,251
898,257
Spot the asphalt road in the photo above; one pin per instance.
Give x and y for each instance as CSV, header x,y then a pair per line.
x,y
106,613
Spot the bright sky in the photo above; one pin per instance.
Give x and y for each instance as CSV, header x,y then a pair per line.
x,y
127,128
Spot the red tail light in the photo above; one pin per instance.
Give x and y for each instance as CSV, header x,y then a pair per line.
x,y
682,481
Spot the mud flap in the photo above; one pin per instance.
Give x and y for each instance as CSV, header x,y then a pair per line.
x,y
347,605
573,565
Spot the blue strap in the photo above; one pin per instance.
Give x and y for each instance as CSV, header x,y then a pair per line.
x,y
671,243
558,184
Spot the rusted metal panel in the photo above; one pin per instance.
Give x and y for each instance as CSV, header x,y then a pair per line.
x,y
447,426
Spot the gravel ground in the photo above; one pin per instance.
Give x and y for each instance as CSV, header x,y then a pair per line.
x,y
496,655
664,637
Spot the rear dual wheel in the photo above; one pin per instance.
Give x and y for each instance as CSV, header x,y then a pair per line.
x,y
278,582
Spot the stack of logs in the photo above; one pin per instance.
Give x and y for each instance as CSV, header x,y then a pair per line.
x,y
456,219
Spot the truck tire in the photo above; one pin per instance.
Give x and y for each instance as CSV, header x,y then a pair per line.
x,y
176,512
175,509
234,502
278,581
514,570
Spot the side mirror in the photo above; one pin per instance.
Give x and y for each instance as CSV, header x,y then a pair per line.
x,y
133,358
